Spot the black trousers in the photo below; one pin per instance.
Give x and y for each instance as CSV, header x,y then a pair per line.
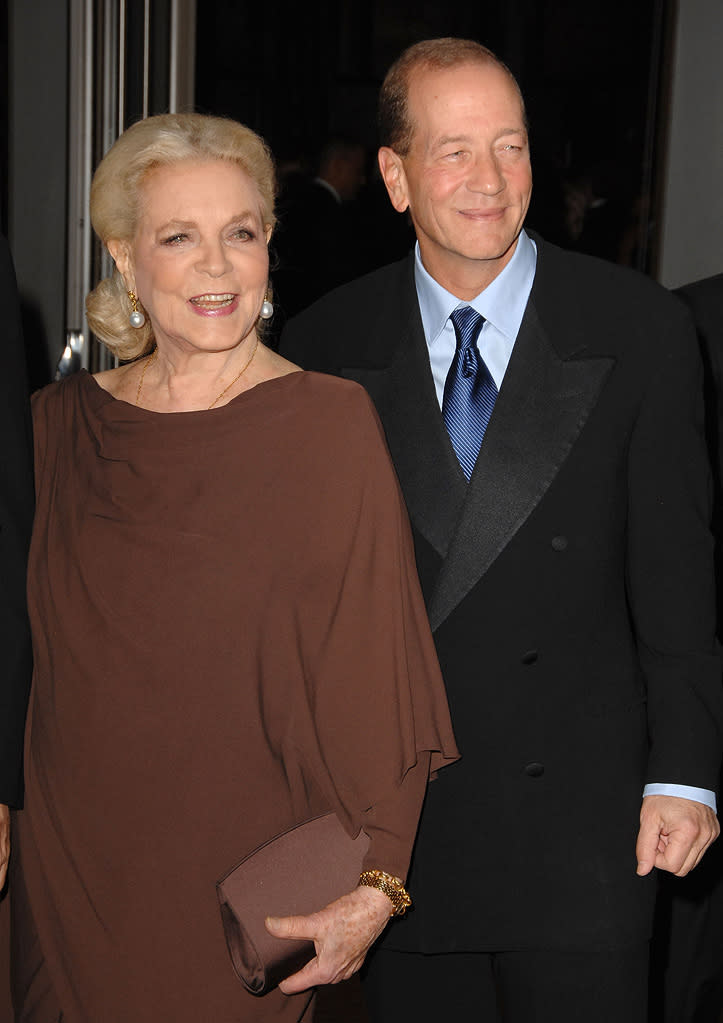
x,y
687,946
581,985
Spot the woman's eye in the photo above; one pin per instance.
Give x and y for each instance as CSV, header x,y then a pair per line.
x,y
244,234
174,239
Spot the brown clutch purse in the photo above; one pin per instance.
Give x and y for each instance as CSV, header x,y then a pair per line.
x,y
298,872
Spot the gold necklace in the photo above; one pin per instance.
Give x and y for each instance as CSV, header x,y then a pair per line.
x,y
226,388
238,375
140,382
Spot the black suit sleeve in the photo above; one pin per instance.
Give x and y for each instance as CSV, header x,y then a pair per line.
x,y
16,505
670,566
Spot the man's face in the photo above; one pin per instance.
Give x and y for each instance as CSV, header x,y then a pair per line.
x,y
466,179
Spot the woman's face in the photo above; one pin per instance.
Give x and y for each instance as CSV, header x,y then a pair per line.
x,y
199,260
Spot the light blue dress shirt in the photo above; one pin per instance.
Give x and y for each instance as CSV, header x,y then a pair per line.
x,y
502,304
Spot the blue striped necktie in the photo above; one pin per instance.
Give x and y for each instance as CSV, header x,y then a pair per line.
x,y
469,390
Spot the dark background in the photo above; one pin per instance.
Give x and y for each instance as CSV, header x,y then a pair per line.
x,y
592,73
595,76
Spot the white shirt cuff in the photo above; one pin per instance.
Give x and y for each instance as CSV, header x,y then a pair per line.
x,y
684,792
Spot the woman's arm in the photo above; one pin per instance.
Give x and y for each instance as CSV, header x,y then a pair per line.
x,y
344,931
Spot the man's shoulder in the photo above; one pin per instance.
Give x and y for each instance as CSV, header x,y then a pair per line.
x,y
589,290
597,277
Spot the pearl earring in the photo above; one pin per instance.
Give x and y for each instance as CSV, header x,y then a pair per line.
x,y
267,310
136,318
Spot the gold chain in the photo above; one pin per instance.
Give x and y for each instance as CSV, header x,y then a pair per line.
x,y
140,382
218,398
238,375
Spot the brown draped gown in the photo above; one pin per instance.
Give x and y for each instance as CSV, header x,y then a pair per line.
x,y
229,637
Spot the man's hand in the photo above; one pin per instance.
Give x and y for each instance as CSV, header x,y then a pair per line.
x,y
4,842
674,834
343,932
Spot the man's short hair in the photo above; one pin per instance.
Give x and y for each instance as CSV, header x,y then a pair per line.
x,y
395,126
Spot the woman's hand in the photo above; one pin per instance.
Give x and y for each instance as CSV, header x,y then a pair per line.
x,y
342,933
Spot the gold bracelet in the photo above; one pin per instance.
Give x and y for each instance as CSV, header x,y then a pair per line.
x,y
392,888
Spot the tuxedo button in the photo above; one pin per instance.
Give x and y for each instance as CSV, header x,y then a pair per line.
x,y
559,543
535,770
530,657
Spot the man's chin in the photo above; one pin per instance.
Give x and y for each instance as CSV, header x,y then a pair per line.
x,y
489,250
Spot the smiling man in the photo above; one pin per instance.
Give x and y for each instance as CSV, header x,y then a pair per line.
x,y
465,173
544,413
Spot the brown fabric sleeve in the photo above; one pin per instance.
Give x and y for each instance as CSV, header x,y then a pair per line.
x,y
376,719
392,823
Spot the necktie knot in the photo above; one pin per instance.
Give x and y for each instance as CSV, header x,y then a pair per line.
x,y
467,324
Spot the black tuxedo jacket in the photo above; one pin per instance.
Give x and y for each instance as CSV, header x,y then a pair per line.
x,y
16,505
569,586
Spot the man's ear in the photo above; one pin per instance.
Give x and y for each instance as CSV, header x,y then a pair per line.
x,y
392,171
121,255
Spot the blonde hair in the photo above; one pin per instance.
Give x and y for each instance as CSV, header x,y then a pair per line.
x,y
395,125
115,201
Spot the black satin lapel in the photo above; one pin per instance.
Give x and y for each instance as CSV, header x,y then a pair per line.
x,y
543,405
433,484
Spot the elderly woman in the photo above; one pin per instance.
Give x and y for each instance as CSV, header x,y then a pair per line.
x,y
228,631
